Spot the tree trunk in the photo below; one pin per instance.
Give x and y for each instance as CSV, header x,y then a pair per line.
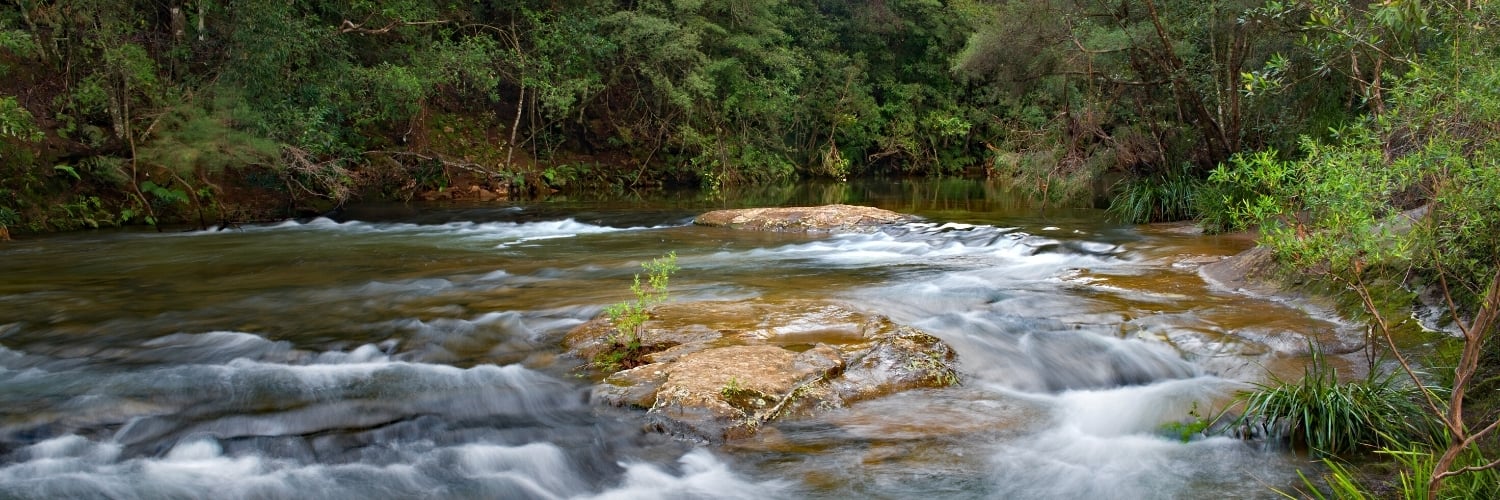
x,y
515,125
1214,138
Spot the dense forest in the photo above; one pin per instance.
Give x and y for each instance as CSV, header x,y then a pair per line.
x,y
1316,121
129,111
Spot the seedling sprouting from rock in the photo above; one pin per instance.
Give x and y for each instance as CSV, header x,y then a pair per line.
x,y
629,317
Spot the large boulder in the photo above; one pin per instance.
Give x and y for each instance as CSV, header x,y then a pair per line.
x,y
719,370
804,219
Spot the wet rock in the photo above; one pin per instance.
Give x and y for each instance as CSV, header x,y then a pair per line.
x,y
720,370
1252,271
804,219
905,358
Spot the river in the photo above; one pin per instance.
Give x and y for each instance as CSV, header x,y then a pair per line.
x,y
396,352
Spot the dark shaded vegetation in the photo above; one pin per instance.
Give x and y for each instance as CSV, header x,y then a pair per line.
x,y
119,111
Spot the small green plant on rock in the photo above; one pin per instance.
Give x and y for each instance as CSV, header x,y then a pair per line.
x,y
629,317
731,388
1196,425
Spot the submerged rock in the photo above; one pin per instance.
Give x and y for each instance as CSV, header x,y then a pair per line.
x,y
719,370
804,219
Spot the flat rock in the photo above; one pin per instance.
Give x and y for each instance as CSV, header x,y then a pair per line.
x,y
804,219
719,370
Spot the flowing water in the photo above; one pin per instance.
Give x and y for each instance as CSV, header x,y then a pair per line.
x,y
399,352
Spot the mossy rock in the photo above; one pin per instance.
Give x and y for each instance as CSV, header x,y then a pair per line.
x,y
734,366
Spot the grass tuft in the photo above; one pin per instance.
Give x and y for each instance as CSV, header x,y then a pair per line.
x,y
1334,418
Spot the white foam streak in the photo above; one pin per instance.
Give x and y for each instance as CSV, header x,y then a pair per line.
x,y
72,466
703,476
1110,444
1068,463
929,243
507,232
1137,409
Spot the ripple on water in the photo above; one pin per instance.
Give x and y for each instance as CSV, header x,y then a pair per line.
x,y
385,359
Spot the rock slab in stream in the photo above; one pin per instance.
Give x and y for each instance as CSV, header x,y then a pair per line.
x,y
722,369
804,219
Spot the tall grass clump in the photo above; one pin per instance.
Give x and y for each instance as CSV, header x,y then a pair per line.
x,y
1344,482
1169,196
1338,418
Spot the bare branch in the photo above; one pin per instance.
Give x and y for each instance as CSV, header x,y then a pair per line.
x,y
1470,468
1364,296
351,27
466,165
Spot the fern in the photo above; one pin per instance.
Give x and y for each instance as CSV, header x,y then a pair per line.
x,y
167,196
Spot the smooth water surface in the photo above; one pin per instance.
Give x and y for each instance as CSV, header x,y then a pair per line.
x,y
399,352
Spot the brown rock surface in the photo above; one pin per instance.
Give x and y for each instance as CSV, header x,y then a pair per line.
x,y
804,219
721,369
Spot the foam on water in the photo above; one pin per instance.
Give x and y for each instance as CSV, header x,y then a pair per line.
x,y
1012,324
932,244
1068,463
299,393
333,424
1111,444
75,467
703,476
503,233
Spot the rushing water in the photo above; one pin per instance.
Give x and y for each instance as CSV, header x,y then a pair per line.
x,y
399,352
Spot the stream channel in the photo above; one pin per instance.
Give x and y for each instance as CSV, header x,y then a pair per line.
x,y
398,352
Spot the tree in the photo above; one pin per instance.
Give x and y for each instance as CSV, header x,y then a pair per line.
x,y
1408,199
1151,89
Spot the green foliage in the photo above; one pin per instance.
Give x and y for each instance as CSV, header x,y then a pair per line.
x,y
1157,198
731,389
720,93
1337,207
1139,87
164,195
1196,425
67,169
1405,197
1342,483
1237,194
1345,482
193,138
1419,464
17,42
17,122
81,212
1332,417
628,317
9,217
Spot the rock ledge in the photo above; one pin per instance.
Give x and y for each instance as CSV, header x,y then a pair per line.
x,y
804,219
721,369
